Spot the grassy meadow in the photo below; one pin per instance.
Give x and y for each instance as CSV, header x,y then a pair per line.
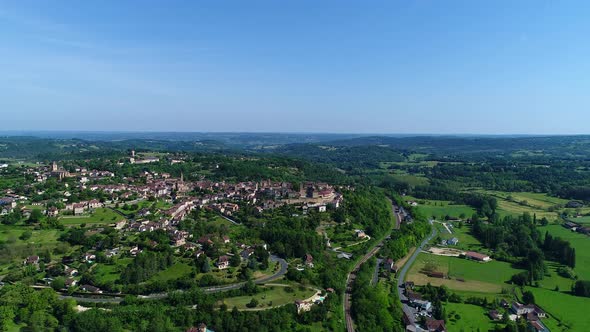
x,y
99,216
271,296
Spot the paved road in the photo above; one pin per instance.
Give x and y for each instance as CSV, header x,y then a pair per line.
x,y
352,276
111,298
409,311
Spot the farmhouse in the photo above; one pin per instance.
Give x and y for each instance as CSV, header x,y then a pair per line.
x,y
521,310
477,256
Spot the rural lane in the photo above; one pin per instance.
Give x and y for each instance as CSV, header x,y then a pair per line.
x,y
409,311
116,298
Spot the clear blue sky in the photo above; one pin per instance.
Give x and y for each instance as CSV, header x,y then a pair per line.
x,y
417,66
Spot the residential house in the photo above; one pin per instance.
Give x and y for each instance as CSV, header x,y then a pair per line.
x,y
52,212
223,262
70,282
495,315
88,257
94,204
90,289
31,260
308,260
135,251
70,272
434,325
303,306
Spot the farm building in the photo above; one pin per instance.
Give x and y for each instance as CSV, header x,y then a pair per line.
x,y
477,256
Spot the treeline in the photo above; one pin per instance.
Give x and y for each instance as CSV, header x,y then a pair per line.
x,y
374,307
559,250
517,240
353,159
145,265
581,288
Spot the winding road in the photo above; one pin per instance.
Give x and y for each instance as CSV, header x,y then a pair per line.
x,y
116,298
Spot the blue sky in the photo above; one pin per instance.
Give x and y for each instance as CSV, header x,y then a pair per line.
x,y
480,67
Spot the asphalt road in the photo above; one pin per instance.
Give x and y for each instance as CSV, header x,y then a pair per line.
x,y
104,298
409,311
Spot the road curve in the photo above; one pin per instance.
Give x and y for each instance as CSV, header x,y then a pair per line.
x,y
116,298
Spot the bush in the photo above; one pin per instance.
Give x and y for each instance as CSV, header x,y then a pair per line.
x,y
582,288
252,304
566,272
520,279
26,235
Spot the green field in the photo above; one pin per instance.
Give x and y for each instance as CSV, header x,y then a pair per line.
x,y
175,271
580,242
271,296
466,240
471,318
10,234
488,277
581,220
440,209
571,310
106,273
99,216
516,203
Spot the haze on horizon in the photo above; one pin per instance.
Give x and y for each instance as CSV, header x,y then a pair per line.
x,y
445,67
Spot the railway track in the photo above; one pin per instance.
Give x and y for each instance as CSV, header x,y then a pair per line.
x,y
352,275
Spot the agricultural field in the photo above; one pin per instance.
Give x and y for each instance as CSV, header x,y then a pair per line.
x,y
571,310
581,220
488,277
466,240
99,216
467,317
440,209
580,242
516,203
272,295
